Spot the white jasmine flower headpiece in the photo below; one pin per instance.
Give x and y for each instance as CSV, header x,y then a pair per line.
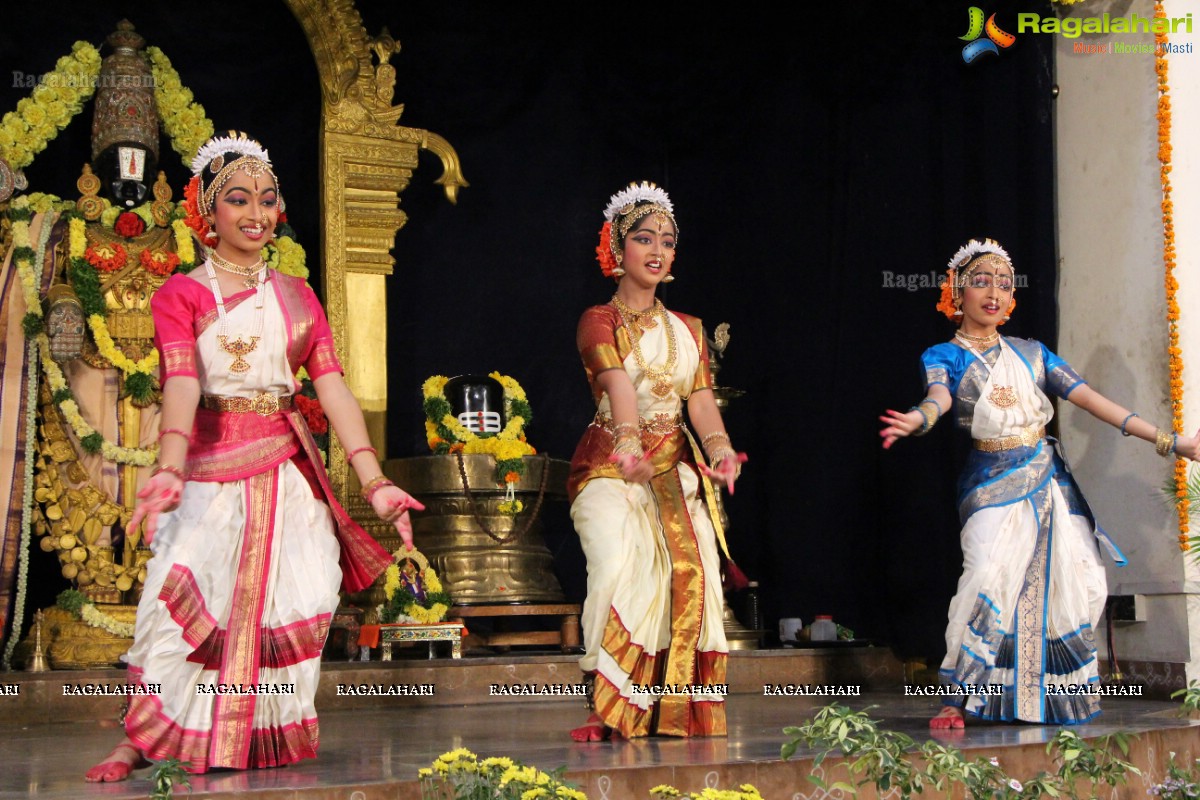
x,y
975,248
234,142
645,192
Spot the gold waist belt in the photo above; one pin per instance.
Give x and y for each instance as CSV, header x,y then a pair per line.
x,y
263,404
659,424
1026,438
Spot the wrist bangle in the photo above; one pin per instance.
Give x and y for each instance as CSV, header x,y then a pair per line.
x,y
176,471
926,422
1163,442
935,404
714,435
1126,422
365,449
176,431
374,485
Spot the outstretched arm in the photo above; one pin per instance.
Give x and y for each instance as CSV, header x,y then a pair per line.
x,y
1106,410
899,424
390,502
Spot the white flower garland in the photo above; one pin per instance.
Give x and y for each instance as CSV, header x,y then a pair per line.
x,y
26,508
98,619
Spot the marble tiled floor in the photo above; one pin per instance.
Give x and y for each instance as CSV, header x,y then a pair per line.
x,y
376,753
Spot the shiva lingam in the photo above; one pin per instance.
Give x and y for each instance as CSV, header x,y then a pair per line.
x,y
739,636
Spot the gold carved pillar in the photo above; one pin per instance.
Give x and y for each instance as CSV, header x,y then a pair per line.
x,y
366,160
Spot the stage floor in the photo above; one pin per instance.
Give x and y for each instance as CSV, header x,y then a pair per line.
x,y
375,753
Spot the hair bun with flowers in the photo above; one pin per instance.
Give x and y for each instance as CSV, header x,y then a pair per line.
x,y
645,198
230,142
951,299
214,164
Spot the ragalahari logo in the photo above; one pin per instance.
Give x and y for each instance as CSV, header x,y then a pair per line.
x,y
976,27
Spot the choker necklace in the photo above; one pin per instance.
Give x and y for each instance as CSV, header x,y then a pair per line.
x,y
661,378
646,320
242,346
250,273
979,343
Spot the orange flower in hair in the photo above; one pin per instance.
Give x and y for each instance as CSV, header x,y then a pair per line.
x,y
604,251
191,207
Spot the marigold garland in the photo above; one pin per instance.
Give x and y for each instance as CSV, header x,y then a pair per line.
x,y
25,256
1174,352
184,120
446,434
59,96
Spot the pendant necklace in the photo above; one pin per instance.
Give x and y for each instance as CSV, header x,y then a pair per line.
x,y
242,346
660,378
248,274
999,396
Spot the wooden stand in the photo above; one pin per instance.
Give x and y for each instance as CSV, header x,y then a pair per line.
x,y
566,635
406,634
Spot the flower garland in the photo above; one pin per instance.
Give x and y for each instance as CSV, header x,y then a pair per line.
x,y
509,447
403,606
58,97
139,375
1174,353
25,256
498,776
184,120
31,387
78,604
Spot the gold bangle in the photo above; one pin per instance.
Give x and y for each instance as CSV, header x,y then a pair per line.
x,y
369,488
176,471
1164,442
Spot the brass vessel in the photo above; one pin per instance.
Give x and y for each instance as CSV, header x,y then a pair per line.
x,y
475,565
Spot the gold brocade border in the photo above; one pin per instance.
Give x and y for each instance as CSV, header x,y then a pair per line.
x,y
233,715
687,601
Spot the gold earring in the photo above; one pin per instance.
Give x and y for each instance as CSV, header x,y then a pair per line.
x,y
668,278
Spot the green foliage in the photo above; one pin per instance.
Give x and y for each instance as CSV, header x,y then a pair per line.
x,y
71,600
93,442
885,759
1191,697
166,776
62,395
140,387
32,324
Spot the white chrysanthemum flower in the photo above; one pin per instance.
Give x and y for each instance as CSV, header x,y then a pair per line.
x,y
228,144
975,248
637,193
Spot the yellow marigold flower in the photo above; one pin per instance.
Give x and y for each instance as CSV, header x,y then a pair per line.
x,y
424,772
78,243
534,793
434,385
664,790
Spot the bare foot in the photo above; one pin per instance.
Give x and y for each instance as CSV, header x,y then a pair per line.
x,y
948,717
117,765
594,730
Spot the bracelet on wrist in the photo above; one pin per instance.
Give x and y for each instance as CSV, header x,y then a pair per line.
x,y
1164,442
364,449
170,468
176,431
1126,422
374,485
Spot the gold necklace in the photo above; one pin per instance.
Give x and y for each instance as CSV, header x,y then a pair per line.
x,y
646,320
1000,396
661,378
248,274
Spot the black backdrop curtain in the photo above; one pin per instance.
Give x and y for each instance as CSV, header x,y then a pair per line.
x,y
808,161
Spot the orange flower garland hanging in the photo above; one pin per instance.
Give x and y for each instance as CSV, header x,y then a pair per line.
x,y
1174,353
159,262
106,257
